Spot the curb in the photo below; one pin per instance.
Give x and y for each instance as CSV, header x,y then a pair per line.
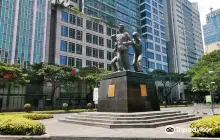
x,y
93,138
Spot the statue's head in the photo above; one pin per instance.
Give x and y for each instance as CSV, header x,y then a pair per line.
x,y
121,28
135,35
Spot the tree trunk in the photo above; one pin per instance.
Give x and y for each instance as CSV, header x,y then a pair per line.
x,y
52,96
8,96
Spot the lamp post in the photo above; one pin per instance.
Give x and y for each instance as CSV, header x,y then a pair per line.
x,y
210,72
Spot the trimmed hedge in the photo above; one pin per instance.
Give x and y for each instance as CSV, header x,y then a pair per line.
x,y
17,125
206,127
37,116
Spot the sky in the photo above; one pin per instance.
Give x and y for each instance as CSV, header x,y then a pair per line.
x,y
204,7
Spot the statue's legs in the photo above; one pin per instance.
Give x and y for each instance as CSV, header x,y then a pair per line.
x,y
125,60
134,63
139,63
113,63
120,62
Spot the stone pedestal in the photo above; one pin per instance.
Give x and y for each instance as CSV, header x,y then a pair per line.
x,y
127,92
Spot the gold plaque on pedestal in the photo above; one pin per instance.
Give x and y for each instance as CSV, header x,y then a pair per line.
x,y
111,90
143,90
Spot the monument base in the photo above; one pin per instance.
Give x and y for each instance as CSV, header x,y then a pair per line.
x,y
126,92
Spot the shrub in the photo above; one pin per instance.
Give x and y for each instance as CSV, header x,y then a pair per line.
x,y
17,125
65,106
27,107
89,106
206,127
37,116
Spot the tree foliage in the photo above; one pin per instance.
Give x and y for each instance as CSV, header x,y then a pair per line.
x,y
201,78
15,75
56,75
167,82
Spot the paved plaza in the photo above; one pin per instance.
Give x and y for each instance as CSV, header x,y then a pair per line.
x,y
55,128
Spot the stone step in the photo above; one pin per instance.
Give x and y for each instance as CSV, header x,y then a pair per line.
x,y
107,114
129,121
126,118
136,125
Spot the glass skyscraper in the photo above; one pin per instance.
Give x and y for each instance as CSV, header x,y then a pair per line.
x,y
212,28
153,32
23,31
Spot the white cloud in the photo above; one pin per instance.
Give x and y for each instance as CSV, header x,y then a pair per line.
x,y
204,7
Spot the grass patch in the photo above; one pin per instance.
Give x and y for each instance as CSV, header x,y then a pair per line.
x,y
206,127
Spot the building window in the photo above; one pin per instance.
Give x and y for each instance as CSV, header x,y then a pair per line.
x,y
156,25
164,50
109,43
165,68
150,45
79,21
72,33
101,29
162,28
164,59
157,39
163,35
88,63
95,64
79,35
78,63
158,57
88,24
109,67
101,41
64,31
155,11
88,37
78,49
113,31
157,33
108,31
101,54
154,3
164,42
150,55
95,39
88,51
64,16
95,26
101,65
71,47
149,22
151,65
95,53
159,66
63,46
63,60
72,19
150,37
109,56
71,61
157,48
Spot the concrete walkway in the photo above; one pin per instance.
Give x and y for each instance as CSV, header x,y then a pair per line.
x,y
55,128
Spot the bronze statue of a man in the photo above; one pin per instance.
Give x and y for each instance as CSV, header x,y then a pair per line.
x,y
121,45
137,45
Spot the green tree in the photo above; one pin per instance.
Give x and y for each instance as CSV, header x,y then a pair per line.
x,y
55,75
11,75
201,78
167,82
92,76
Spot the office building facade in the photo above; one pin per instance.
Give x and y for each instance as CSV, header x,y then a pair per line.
x,y
79,40
23,31
153,33
211,31
184,37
